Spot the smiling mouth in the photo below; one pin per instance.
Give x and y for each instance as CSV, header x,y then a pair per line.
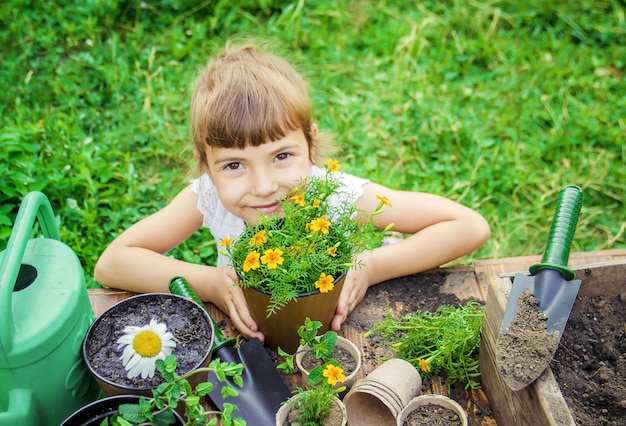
x,y
268,208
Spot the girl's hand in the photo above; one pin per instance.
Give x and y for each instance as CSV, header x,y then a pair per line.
x,y
230,299
354,290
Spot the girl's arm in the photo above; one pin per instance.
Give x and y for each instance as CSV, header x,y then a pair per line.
x,y
136,261
442,230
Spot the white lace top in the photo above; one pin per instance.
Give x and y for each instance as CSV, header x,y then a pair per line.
x,y
223,223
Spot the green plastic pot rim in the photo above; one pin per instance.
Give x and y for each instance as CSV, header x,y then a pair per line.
x,y
130,388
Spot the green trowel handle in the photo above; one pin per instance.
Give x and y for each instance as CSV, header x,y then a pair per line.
x,y
180,286
34,205
562,231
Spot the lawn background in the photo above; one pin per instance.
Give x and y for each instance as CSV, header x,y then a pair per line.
x,y
495,104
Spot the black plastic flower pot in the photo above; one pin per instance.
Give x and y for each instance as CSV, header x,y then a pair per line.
x,y
94,413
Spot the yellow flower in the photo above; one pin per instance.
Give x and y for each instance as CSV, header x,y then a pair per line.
x,y
384,200
298,199
316,203
227,242
333,374
424,365
333,165
259,238
332,251
252,261
319,225
325,283
272,258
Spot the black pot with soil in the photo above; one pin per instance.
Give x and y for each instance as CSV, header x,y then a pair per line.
x,y
94,413
190,326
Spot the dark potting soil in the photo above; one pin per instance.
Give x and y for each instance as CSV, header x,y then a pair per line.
x,y
186,322
590,363
343,356
432,415
524,350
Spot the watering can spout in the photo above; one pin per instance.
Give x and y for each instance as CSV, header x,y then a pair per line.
x,y
21,410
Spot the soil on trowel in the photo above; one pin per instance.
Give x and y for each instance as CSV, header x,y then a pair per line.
x,y
590,363
525,348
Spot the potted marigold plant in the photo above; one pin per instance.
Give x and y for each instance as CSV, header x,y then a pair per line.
x,y
301,255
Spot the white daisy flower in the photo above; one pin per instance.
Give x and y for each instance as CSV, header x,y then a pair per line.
x,y
143,347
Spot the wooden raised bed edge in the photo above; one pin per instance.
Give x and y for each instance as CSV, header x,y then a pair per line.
x,y
540,403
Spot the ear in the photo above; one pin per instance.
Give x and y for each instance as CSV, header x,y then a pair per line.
x,y
314,132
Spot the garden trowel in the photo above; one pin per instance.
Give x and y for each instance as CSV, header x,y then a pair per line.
x,y
552,283
263,388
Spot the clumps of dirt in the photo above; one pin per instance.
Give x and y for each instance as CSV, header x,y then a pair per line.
x,y
525,348
432,415
590,364
342,355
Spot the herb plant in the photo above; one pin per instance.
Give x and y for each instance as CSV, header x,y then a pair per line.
x,y
159,410
322,348
313,404
446,340
308,246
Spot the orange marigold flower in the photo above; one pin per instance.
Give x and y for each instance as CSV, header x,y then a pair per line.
x,y
319,225
332,251
333,374
259,238
384,200
424,365
227,242
332,165
252,261
272,258
316,203
298,199
325,283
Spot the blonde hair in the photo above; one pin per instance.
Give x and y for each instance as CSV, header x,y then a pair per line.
x,y
247,97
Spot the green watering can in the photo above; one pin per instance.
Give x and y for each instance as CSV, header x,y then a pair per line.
x,y
44,315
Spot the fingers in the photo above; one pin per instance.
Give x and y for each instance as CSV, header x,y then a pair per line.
x,y
240,316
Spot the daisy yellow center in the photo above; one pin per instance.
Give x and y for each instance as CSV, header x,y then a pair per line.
x,y
147,344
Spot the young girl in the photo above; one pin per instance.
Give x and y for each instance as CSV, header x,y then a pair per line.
x,y
254,138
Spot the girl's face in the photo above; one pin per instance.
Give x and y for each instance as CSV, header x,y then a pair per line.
x,y
251,180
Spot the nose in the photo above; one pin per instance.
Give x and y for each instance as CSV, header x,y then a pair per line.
x,y
264,183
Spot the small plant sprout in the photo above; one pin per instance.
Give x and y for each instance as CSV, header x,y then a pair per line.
x,y
313,404
159,410
143,346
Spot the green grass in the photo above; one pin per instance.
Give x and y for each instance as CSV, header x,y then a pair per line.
x,y
495,104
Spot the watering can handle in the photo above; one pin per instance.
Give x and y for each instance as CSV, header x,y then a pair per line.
x,y
34,205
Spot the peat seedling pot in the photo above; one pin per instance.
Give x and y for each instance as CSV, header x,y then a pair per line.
x,y
189,324
432,410
378,398
281,328
337,417
306,363
94,413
